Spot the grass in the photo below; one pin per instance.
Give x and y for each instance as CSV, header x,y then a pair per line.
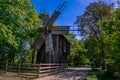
x,y
99,75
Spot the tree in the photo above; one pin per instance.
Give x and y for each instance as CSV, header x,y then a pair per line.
x,y
93,51
77,51
89,28
95,11
18,25
111,34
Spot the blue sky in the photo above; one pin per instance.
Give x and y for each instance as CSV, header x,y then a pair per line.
x,y
68,16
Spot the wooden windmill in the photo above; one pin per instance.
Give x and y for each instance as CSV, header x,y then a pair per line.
x,y
45,42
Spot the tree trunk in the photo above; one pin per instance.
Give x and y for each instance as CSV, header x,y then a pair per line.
x,y
103,58
33,56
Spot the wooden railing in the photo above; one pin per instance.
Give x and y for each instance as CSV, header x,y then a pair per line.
x,y
32,69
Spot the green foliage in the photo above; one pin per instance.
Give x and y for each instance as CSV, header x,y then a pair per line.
x,y
99,75
77,56
18,24
93,51
111,33
88,21
92,32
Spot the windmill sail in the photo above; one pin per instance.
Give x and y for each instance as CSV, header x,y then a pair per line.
x,y
46,34
39,41
56,13
47,23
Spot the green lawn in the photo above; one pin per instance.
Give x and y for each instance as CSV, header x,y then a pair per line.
x,y
99,75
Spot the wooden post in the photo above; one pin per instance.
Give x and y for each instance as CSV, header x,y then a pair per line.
x,y
60,66
39,70
49,65
6,67
66,68
18,68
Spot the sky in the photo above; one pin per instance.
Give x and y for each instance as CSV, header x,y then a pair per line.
x,y
68,16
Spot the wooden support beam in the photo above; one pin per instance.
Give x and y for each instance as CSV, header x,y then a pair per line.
x,y
60,30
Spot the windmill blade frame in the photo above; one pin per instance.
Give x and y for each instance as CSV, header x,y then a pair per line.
x,y
44,42
39,41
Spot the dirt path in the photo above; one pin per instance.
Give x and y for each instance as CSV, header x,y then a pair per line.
x,y
70,74
10,76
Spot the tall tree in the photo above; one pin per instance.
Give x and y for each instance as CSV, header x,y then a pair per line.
x,y
88,23
111,34
94,12
18,24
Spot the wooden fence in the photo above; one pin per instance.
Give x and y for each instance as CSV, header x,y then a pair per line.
x,y
32,69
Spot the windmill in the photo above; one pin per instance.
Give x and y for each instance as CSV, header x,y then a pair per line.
x,y
44,42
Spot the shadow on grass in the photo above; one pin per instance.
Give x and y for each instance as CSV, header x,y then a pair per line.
x,y
100,75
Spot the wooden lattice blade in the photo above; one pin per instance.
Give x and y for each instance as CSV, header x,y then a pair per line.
x,y
39,41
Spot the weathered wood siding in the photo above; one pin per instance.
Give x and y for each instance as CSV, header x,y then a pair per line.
x,y
61,48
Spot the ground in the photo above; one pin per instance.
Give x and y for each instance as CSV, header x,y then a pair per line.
x,y
10,76
70,74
